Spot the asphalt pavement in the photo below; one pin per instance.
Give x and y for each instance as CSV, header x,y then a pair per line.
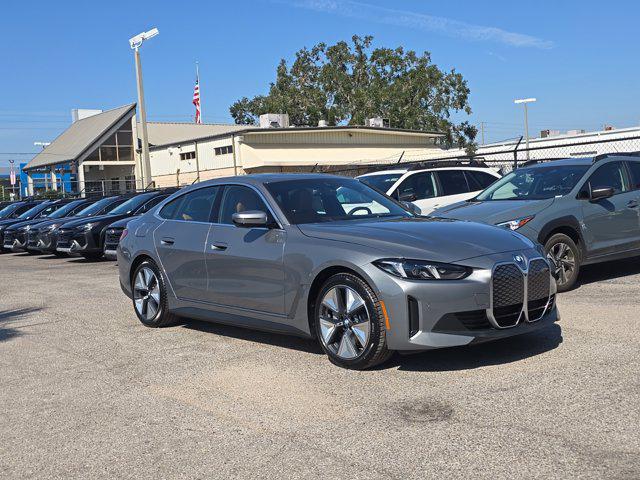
x,y
86,391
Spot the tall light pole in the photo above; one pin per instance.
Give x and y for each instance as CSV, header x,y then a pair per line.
x,y
136,42
525,101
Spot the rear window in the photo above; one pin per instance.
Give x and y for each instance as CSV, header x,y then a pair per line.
x,y
453,182
382,182
479,180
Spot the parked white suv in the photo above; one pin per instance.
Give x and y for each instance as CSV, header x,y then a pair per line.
x,y
432,187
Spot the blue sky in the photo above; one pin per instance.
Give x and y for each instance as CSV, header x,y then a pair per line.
x,y
579,58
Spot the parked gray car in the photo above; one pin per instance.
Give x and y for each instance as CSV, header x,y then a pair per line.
x,y
583,210
306,255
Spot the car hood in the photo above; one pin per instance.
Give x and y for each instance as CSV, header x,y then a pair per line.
x,y
493,212
97,219
441,240
24,223
122,223
9,222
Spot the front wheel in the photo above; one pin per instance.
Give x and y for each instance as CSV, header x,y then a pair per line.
x,y
565,255
150,296
350,324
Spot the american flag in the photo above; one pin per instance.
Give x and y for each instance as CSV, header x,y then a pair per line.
x,y
196,99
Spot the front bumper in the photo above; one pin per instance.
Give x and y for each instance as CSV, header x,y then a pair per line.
x,y
14,241
111,242
434,314
74,241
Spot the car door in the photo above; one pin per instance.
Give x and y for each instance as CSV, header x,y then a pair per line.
x,y
245,265
419,188
611,224
453,187
181,239
634,203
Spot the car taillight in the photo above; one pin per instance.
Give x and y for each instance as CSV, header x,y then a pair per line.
x,y
123,234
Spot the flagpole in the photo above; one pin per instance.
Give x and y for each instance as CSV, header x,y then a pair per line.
x,y
199,87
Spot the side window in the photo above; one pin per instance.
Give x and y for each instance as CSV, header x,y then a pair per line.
x,y
236,199
152,203
479,179
453,182
610,175
418,186
194,206
635,174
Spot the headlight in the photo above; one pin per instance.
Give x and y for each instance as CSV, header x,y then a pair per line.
x,y
26,228
422,269
51,228
86,227
516,223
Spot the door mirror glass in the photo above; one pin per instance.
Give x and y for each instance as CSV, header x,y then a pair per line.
x,y
250,219
601,192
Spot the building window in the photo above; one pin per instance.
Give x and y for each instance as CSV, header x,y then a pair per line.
x,y
130,182
187,156
224,150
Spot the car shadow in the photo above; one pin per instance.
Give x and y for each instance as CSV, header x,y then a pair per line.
x,y
499,352
8,316
85,260
608,271
268,338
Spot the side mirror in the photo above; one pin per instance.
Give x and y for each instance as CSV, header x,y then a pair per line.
x,y
601,193
250,219
412,207
407,197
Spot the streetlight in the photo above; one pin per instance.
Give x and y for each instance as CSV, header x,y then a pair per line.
x,y
135,43
525,101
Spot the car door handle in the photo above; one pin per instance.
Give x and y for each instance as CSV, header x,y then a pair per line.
x,y
632,204
167,241
219,246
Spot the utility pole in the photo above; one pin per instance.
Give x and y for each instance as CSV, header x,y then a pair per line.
x,y
525,101
136,43
482,132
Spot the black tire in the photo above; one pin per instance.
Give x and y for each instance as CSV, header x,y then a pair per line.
x,y
93,255
569,265
163,317
375,351
59,254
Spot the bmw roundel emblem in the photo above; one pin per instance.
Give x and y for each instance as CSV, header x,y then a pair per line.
x,y
520,260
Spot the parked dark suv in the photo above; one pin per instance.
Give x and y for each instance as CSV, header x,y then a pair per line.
x,y
19,212
86,236
583,210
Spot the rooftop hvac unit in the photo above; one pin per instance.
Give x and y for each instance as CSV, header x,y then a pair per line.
x,y
377,122
575,132
549,133
274,120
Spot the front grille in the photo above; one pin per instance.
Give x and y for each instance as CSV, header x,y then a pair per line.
x,y
463,321
32,239
538,288
508,294
112,239
9,237
64,239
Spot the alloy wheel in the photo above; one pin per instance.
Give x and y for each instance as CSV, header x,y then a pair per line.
x,y
146,293
564,260
345,324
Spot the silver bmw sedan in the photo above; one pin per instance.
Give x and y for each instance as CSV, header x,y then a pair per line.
x,y
330,258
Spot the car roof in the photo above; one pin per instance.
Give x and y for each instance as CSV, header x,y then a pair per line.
x,y
385,172
262,178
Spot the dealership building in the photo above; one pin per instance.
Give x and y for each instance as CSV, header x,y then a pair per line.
x,y
100,151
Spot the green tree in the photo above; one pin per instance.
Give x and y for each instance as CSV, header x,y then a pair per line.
x,y
347,83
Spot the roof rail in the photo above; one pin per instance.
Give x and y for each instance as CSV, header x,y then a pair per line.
x,y
602,156
471,162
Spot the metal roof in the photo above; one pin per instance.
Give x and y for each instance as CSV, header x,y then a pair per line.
x,y
170,133
78,140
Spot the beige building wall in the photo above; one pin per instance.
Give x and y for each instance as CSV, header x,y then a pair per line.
x,y
282,151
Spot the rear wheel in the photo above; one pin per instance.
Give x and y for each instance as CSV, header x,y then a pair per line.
x,y
150,296
93,255
565,254
349,323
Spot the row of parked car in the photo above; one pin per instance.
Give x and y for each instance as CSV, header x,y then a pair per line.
x,y
90,227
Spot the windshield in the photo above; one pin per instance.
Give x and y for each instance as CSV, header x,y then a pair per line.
x,y
31,212
95,207
132,204
331,199
537,183
9,209
382,182
65,209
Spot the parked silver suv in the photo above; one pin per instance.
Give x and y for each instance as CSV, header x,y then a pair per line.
x,y
294,254
583,210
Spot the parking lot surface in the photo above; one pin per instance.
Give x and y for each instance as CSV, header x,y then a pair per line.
x,y
86,391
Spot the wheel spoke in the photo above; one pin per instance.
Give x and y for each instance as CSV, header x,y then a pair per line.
x,y
139,305
328,330
331,300
341,296
353,301
152,308
347,348
148,275
562,249
139,283
361,332
155,295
